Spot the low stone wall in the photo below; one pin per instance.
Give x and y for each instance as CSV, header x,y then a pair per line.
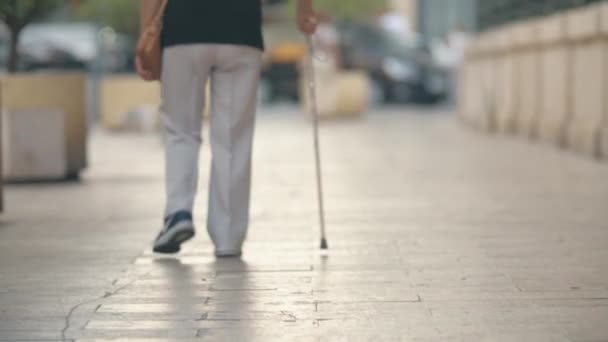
x,y
52,91
544,78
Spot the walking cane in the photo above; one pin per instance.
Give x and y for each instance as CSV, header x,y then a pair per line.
x,y
312,97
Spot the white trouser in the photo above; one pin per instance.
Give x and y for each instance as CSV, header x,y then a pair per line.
x,y
234,73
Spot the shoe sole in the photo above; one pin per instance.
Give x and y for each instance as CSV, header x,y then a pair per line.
x,y
226,254
172,243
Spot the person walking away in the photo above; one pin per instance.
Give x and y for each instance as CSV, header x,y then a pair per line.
x,y
219,41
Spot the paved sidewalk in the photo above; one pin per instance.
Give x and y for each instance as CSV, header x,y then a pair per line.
x,y
436,233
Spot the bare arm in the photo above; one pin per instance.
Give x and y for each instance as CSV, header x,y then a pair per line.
x,y
305,4
147,10
307,21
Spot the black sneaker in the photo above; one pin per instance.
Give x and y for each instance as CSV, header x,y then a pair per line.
x,y
178,229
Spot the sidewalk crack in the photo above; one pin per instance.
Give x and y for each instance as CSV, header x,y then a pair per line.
x,y
107,294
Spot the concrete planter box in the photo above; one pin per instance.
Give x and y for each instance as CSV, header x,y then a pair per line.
x,y
123,98
34,145
64,92
354,92
339,94
121,95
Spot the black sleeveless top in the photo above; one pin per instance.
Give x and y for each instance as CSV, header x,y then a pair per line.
x,y
235,22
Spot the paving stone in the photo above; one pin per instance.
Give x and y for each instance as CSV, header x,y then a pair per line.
x,y
436,233
30,335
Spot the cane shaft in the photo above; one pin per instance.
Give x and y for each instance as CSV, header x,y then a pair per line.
x,y
315,117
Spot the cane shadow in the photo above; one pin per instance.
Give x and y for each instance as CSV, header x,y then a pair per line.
x,y
324,262
320,275
322,259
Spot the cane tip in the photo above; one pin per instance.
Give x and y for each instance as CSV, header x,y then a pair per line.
x,y
324,244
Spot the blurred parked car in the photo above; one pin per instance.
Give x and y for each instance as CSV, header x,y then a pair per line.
x,y
400,71
3,52
71,46
281,73
49,58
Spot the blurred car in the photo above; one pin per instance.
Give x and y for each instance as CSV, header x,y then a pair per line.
x,y
70,46
400,71
281,73
4,51
49,57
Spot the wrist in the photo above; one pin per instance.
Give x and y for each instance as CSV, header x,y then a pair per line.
x,y
305,6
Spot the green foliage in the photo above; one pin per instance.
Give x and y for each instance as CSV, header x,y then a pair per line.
x,y
18,13
349,9
121,15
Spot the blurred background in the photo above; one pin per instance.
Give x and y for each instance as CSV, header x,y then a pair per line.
x,y
70,65
502,61
407,49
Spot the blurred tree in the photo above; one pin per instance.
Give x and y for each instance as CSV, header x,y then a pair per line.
x,y
121,15
17,14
